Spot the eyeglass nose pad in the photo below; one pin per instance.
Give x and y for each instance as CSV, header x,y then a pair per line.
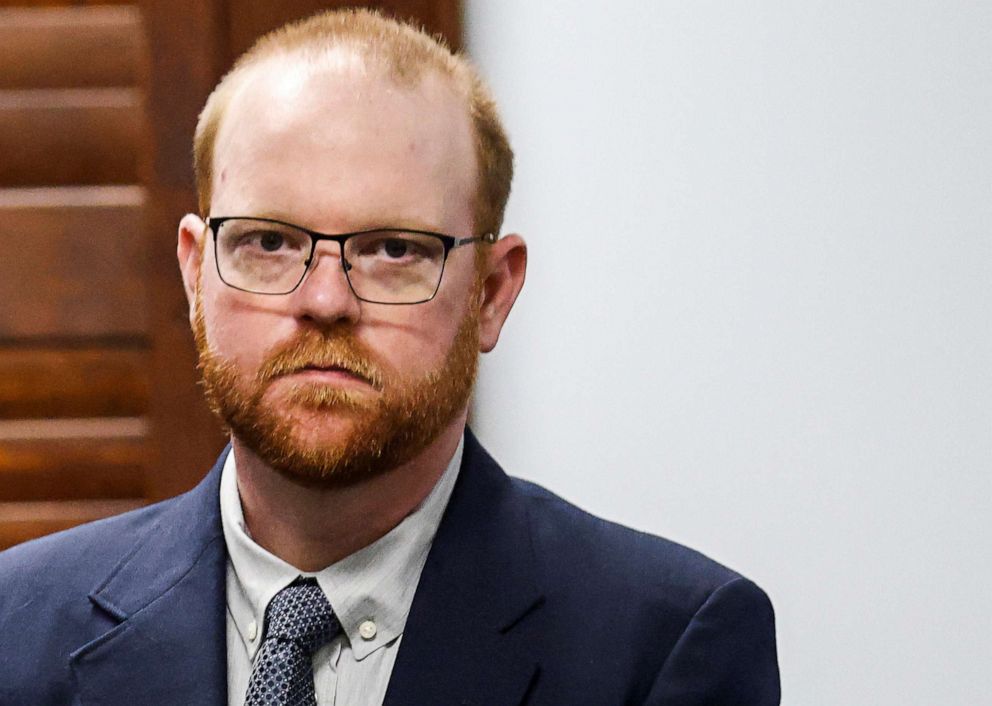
x,y
344,263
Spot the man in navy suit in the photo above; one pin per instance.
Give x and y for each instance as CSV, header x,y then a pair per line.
x,y
343,278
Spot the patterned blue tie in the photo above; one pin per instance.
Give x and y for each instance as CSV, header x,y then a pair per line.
x,y
298,622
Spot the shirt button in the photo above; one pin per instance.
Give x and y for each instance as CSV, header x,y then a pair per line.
x,y
367,630
252,631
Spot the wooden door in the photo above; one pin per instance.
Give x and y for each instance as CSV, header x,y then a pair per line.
x,y
74,331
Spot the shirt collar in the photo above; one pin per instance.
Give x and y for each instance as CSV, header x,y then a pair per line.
x,y
375,585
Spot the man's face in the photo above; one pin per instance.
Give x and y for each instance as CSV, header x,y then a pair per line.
x,y
323,387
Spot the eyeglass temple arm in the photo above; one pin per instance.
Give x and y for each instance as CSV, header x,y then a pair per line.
x,y
487,238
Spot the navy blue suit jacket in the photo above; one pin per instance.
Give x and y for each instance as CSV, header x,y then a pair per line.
x,y
524,599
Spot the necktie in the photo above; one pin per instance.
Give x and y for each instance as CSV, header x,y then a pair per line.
x,y
298,622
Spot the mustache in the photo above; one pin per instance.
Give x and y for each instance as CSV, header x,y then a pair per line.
x,y
312,349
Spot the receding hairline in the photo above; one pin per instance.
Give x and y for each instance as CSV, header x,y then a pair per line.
x,y
346,55
350,54
403,48
343,60
385,49
282,78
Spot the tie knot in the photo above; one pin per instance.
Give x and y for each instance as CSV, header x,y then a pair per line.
x,y
300,613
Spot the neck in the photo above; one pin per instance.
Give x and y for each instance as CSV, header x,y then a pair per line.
x,y
311,528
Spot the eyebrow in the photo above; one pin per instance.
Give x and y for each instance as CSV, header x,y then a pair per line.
x,y
378,224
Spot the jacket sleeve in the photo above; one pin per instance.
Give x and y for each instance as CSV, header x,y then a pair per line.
x,y
726,655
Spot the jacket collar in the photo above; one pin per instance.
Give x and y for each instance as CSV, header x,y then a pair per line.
x,y
470,637
169,645
475,619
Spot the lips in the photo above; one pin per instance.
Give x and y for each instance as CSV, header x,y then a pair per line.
x,y
332,370
329,369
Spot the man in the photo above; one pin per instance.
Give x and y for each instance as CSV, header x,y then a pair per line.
x,y
356,545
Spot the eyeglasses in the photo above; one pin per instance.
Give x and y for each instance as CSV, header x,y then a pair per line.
x,y
382,266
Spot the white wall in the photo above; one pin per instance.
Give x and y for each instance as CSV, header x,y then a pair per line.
x,y
757,315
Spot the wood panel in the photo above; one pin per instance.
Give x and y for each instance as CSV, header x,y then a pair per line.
x,y
56,459
74,262
20,522
62,3
187,40
88,381
72,469
69,136
42,47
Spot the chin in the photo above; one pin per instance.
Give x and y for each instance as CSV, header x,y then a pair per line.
x,y
330,461
321,431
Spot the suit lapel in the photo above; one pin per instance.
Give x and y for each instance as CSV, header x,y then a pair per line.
x,y
169,646
475,620
470,637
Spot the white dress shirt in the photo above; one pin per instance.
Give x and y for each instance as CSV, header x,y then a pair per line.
x,y
370,592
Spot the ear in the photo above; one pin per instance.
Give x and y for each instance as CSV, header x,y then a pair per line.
x,y
189,250
505,273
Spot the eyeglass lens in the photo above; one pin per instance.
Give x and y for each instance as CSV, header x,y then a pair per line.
x,y
387,266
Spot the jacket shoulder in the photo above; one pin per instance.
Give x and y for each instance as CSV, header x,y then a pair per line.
x,y
75,559
63,563
666,619
610,561
62,593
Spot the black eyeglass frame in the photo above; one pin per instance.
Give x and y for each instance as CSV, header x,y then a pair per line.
x,y
449,242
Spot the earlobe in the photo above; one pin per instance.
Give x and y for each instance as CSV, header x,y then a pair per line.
x,y
189,250
506,272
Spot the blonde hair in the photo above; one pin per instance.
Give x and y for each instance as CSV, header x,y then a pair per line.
x,y
405,53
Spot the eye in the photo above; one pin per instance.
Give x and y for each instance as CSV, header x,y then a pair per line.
x,y
394,247
270,241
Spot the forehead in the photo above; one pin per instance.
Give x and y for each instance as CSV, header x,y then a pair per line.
x,y
334,140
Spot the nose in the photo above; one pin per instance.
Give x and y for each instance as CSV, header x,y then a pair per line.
x,y
324,296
